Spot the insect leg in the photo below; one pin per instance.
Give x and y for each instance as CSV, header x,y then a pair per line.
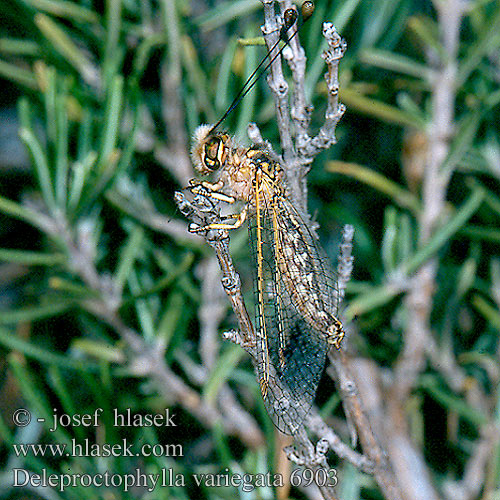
x,y
239,219
209,190
209,186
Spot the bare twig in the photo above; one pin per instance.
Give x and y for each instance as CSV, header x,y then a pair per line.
x,y
334,111
313,458
202,214
356,414
276,80
296,59
325,433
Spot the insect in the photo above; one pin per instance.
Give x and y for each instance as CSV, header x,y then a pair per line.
x,y
295,295
296,299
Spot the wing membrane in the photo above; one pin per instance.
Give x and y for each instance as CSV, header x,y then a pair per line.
x,y
291,289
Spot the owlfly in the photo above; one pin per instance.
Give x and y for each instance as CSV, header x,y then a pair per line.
x,y
295,288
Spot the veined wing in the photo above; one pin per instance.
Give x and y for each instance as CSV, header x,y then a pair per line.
x,y
308,276
291,349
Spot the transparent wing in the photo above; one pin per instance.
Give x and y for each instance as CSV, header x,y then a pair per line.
x,y
302,259
292,291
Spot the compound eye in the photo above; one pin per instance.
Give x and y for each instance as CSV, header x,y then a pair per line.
x,y
212,154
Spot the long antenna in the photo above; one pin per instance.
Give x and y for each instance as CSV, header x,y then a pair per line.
x,y
289,16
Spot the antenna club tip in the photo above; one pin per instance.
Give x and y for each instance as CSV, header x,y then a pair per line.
x,y
307,10
289,18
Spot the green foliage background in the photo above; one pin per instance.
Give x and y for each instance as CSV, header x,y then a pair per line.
x,y
89,87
